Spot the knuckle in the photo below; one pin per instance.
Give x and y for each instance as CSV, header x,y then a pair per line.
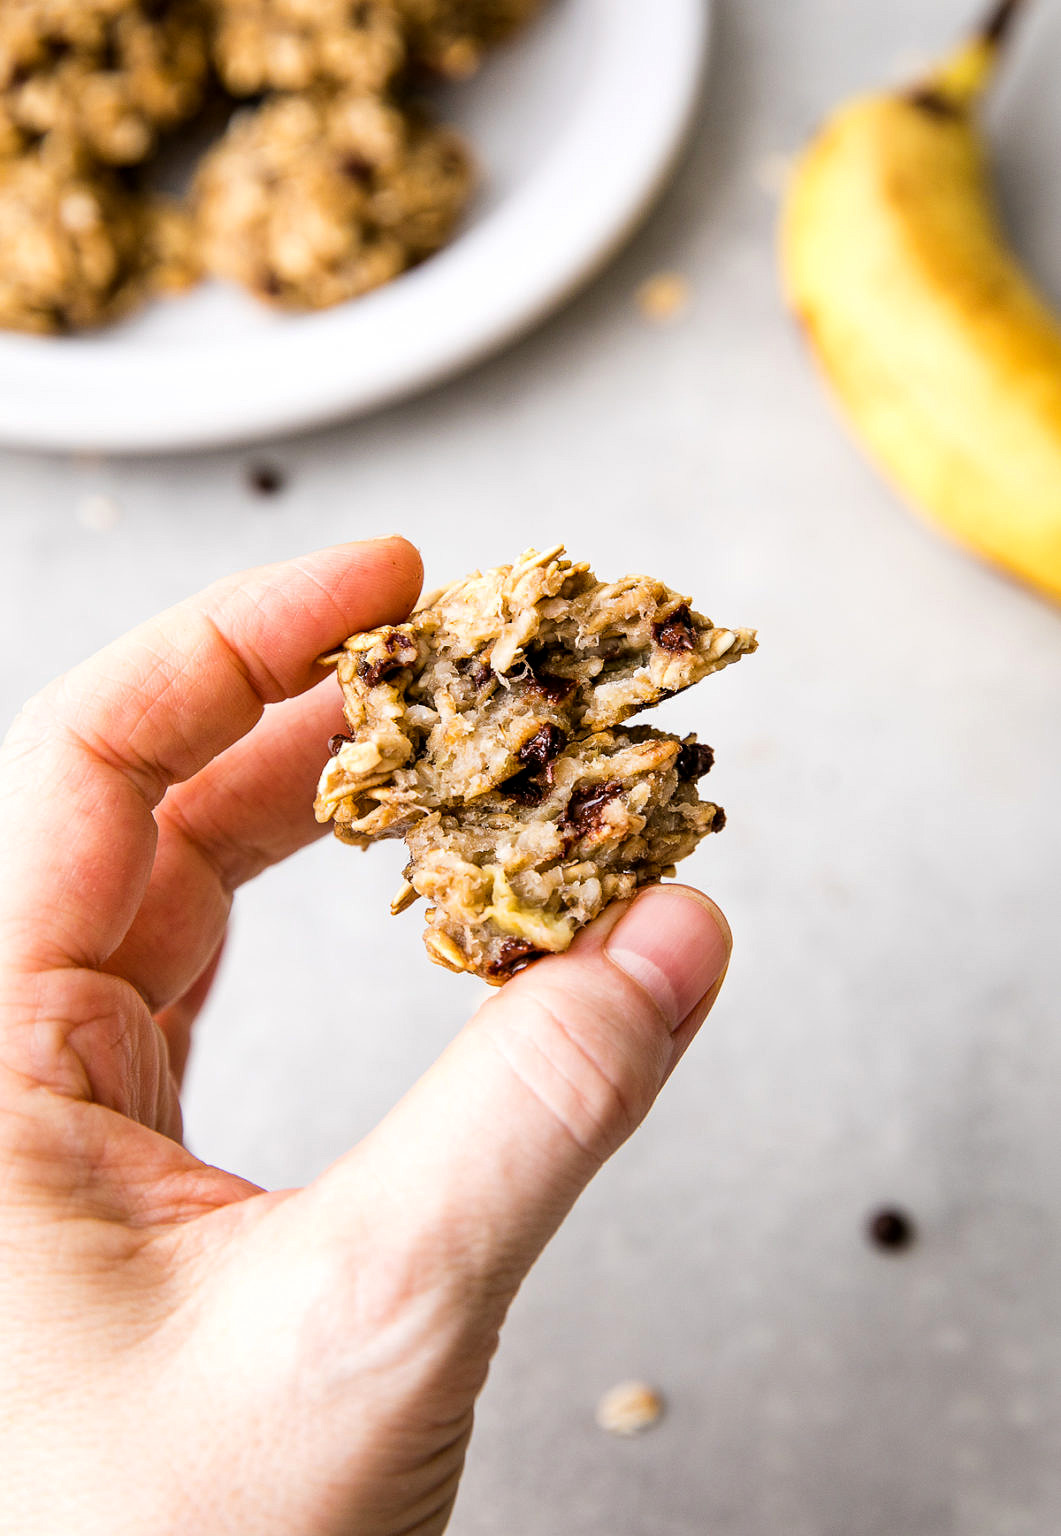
x,y
591,1077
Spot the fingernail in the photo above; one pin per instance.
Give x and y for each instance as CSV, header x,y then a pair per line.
x,y
676,943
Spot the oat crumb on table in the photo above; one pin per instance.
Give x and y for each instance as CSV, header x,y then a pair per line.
x,y
629,1408
664,297
488,731
98,512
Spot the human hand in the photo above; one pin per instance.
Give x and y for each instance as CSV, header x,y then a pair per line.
x,y
183,1352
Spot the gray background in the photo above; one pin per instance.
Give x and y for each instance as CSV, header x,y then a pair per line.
x,y
891,869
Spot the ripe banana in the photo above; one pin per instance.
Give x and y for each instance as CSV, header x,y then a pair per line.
x,y
947,362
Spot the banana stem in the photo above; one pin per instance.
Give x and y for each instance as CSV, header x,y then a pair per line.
x,y
1000,20
962,78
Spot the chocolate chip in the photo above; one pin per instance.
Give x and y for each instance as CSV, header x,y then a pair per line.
x,y
529,787
265,479
398,653
271,284
532,785
676,632
358,169
474,669
693,760
360,14
934,103
892,1229
584,809
549,684
337,741
514,955
719,819
543,746
112,53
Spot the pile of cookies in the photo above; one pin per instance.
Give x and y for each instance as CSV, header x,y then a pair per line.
x,y
328,181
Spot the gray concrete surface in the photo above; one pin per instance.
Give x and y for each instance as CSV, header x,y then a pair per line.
x,y
889,761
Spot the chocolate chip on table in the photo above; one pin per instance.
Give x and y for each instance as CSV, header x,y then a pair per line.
x,y
693,760
676,632
891,1228
265,479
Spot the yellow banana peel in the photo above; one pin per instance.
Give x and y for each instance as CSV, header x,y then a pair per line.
x,y
944,358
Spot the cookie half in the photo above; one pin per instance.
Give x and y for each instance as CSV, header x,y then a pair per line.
x,y
496,670
514,875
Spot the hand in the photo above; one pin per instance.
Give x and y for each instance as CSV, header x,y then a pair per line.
x,y
183,1352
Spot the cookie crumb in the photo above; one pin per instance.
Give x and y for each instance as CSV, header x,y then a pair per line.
x,y
892,1229
98,512
664,297
629,1408
265,479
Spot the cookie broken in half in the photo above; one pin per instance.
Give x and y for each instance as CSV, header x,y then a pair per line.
x,y
487,731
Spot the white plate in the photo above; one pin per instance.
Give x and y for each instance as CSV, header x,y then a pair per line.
x,y
575,124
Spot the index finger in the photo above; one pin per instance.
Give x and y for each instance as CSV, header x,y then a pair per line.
x,y
91,756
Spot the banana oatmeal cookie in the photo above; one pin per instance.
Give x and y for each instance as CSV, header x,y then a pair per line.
x,y
290,45
451,36
460,698
484,730
105,74
76,248
514,874
313,199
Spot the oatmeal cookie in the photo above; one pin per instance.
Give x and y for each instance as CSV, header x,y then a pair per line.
x,y
487,730
106,74
313,199
514,874
76,248
451,36
494,672
291,45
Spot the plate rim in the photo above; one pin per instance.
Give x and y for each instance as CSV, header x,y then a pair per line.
x,y
73,409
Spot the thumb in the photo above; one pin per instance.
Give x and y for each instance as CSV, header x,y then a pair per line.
x,y
489,1151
